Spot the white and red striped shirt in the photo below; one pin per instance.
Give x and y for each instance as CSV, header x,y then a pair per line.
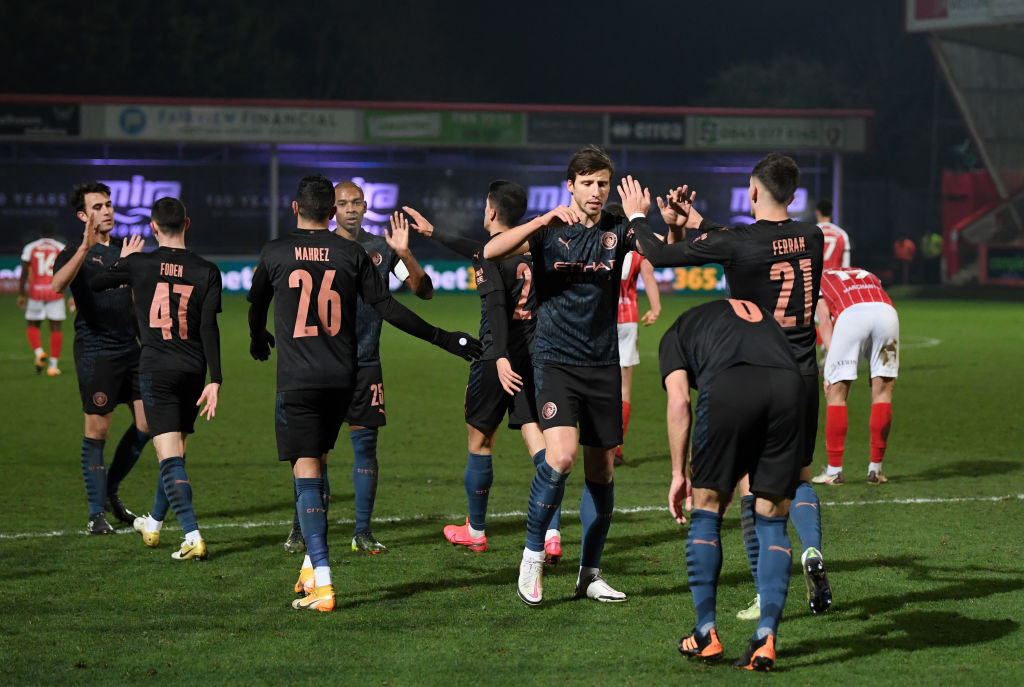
x,y
837,247
846,287
40,256
628,310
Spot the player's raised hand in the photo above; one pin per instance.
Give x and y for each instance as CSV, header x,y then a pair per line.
x,y
133,244
679,494
680,200
398,237
260,345
209,395
419,222
633,196
91,235
458,343
510,381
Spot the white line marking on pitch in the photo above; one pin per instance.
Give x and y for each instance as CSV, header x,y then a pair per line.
x,y
919,342
509,514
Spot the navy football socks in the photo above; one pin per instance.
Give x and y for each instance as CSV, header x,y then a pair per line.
x,y
806,515
596,506
546,494
312,518
703,565
179,492
478,477
129,448
94,473
749,532
556,518
364,474
160,503
775,563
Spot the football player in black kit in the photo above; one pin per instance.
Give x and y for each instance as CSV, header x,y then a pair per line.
x,y
390,254
775,262
577,263
316,277
106,355
502,380
177,298
749,422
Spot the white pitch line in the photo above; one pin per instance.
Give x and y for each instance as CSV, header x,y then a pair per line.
x,y
919,342
511,514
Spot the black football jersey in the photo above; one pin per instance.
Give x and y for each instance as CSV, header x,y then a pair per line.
x,y
577,270
513,276
776,265
721,334
177,298
103,324
315,279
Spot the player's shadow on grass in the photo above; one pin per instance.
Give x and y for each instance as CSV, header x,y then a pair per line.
x,y
633,461
278,509
223,548
904,631
962,469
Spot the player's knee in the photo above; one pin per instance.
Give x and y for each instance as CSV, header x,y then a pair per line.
x,y
563,462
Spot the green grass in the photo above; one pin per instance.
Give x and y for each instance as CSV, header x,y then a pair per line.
x,y
926,592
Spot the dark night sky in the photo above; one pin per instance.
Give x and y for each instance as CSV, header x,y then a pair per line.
x,y
638,52
777,53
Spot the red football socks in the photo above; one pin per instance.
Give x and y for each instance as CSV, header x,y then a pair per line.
x,y
836,424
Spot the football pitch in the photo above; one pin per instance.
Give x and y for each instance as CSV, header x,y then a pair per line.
x,y
925,570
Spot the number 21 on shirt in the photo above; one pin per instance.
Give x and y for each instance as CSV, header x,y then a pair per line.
x,y
786,272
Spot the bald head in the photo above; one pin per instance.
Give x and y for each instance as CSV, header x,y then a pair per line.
x,y
350,208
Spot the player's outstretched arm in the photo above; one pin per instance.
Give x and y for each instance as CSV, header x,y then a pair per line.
x,y
677,418
210,395
418,280
117,274
456,343
67,271
465,247
516,241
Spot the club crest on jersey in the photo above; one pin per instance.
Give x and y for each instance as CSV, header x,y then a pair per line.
x,y
99,399
377,258
609,240
549,410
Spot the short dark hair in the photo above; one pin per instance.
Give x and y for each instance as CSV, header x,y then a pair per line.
x,y
779,174
824,206
587,161
509,200
78,193
47,229
169,214
315,197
